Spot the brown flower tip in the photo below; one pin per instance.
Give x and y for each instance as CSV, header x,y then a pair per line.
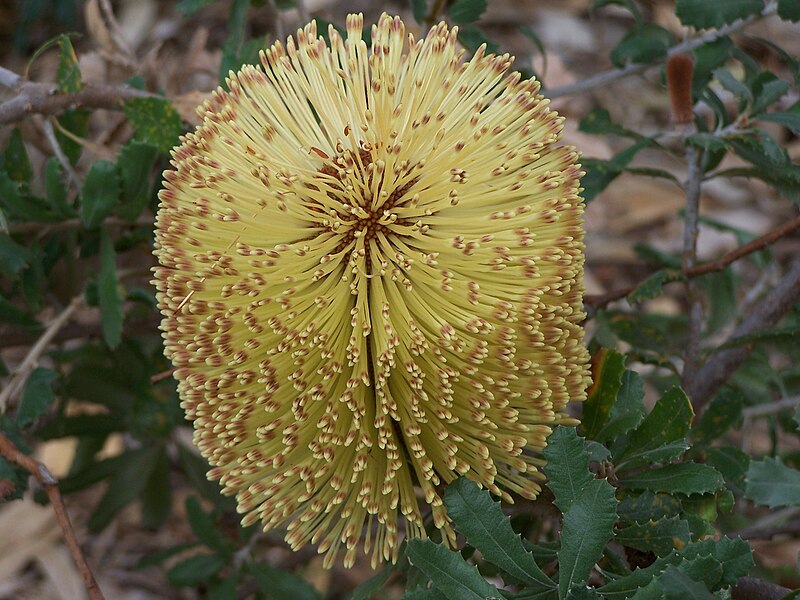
x,y
680,70
371,279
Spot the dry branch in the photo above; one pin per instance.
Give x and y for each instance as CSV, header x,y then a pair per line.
x,y
11,453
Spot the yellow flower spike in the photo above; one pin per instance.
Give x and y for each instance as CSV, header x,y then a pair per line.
x,y
371,281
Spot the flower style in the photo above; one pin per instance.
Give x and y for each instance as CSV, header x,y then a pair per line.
x,y
371,279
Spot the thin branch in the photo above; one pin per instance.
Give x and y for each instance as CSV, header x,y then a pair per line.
x,y
31,97
11,453
30,361
719,367
691,229
596,301
606,77
8,78
770,408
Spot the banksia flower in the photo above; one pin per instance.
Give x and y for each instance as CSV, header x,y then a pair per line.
x,y
371,281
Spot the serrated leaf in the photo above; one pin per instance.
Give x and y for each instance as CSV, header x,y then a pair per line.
x,y
466,11
789,119
667,423
75,121
68,74
280,585
652,285
642,45
661,536
588,525
724,412
471,37
367,589
155,122
135,163
157,494
733,85
628,410
37,396
789,10
13,257
56,189
448,572
608,367
195,570
15,158
108,294
680,478
100,193
648,506
10,313
486,528
677,585
705,14
771,483
424,594
567,467
732,463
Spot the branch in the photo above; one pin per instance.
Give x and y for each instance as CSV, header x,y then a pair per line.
x,y
606,77
30,361
596,301
716,370
770,408
691,229
11,453
31,97
750,588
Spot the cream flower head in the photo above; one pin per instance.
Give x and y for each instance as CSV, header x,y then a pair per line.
x,y
371,281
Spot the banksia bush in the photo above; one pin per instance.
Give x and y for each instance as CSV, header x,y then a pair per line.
x,y
371,281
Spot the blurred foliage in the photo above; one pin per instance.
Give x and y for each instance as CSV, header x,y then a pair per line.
x,y
640,502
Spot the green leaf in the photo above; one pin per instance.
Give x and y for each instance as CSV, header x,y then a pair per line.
x,y
607,370
648,506
715,13
598,122
667,423
567,467
234,43
157,494
628,410
679,586
471,37
367,589
195,570
15,158
651,286
13,257
733,85
679,478
203,527
588,525
129,479
600,173
56,189
448,572
789,119
10,313
466,11
100,193
773,484
37,396
642,45
69,71
486,528
135,163
226,590
789,10
661,537
155,122
724,412
424,594
75,121
108,293
280,585
732,463
420,10
767,89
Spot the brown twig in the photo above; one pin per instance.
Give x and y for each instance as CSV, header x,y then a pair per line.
x,y
716,370
750,588
596,301
30,97
11,453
